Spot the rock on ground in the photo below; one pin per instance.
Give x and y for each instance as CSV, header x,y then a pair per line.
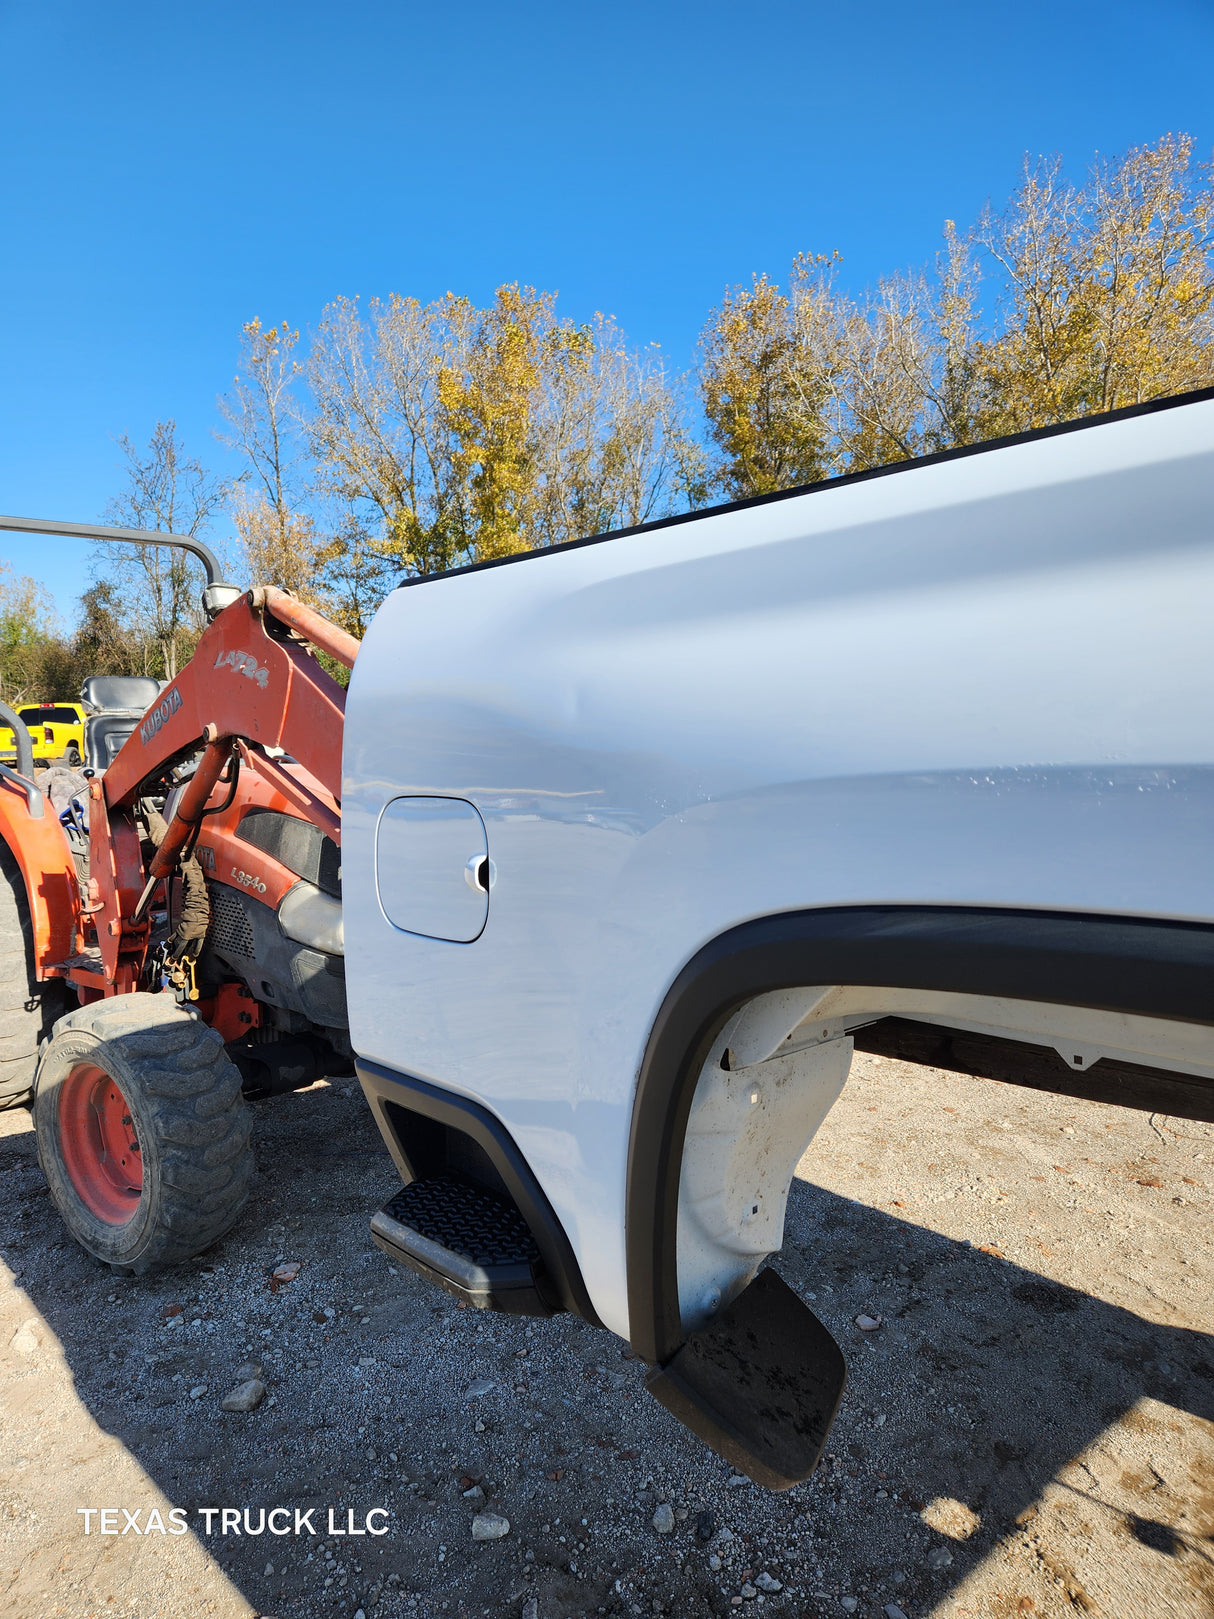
x,y
663,1518
490,1526
246,1396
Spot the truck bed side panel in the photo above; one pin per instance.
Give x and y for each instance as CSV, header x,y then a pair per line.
x,y
980,683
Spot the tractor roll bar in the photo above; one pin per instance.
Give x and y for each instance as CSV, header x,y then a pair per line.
x,y
134,536
218,593
21,735
23,776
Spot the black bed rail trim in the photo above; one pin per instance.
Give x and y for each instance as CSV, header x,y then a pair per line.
x,y
383,1086
1153,968
890,468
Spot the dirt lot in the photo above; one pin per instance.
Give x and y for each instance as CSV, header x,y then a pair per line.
x,y
1030,1430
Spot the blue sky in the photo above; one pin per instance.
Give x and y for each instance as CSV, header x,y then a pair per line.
x,y
169,172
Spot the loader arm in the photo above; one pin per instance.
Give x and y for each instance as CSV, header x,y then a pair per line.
x,y
251,685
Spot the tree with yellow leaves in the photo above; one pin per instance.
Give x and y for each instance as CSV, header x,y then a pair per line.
x,y
1108,289
276,533
487,396
27,627
766,376
1104,296
450,433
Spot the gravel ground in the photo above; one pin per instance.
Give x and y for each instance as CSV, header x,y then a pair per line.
x,y
1029,1430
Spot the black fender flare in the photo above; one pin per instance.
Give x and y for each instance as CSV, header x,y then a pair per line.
x,y
1156,968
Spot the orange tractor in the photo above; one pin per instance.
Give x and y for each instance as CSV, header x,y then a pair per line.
x,y
170,925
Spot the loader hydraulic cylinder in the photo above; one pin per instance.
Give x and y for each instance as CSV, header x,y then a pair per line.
x,y
186,816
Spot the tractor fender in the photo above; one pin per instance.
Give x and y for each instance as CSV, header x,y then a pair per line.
x,y
40,848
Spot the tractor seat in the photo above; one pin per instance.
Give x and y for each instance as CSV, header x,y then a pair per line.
x,y
124,694
115,704
104,734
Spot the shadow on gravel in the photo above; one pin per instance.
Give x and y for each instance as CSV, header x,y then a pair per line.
x,y
976,1392
991,1381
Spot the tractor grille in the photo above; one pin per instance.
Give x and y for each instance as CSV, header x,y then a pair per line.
x,y
295,844
230,932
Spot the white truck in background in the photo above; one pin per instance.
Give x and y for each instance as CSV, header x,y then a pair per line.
x,y
643,834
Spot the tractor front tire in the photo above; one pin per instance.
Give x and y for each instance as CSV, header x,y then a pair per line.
x,y
27,1007
142,1132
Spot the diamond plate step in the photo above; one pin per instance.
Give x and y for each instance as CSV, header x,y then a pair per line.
x,y
468,1240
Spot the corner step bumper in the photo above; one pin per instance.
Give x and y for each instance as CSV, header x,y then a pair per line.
x,y
760,1384
471,1242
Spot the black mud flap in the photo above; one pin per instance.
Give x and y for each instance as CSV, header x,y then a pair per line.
x,y
760,1384
469,1241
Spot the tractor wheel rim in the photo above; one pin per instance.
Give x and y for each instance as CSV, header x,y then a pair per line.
x,y
100,1145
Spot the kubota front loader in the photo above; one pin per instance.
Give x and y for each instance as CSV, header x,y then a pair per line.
x,y
170,927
